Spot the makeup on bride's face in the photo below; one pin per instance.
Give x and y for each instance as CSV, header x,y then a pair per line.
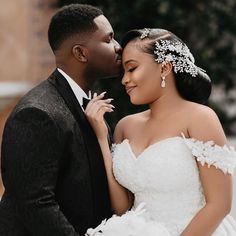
x,y
140,75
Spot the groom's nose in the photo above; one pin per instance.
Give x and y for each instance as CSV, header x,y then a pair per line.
x,y
118,48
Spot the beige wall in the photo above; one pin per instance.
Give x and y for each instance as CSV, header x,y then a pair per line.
x,y
24,51
25,54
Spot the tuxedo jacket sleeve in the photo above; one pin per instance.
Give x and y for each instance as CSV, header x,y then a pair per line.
x,y
32,143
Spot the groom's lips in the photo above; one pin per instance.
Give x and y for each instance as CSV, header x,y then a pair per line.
x,y
118,59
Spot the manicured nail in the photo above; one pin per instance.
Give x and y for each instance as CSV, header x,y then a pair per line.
x,y
89,94
102,94
109,100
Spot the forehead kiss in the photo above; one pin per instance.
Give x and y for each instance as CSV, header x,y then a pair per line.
x,y
133,53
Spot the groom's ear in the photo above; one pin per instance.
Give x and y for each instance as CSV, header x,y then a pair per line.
x,y
80,52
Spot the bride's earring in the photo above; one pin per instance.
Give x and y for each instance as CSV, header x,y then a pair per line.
x,y
163,82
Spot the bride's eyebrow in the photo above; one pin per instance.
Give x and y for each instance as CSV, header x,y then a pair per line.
x,y
131,60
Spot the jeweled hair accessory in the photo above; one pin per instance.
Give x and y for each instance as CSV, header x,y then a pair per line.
x,y
182,60
145,33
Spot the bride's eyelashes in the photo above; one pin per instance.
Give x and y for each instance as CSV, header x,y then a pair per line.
x,y
131,69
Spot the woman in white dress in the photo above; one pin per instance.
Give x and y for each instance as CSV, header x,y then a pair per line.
x,y
172,157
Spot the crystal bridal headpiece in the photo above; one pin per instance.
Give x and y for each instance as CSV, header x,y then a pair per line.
x,y
175,52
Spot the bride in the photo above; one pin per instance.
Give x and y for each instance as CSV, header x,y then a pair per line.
x,y
172,157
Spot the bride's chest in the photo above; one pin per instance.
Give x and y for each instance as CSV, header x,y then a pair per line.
x,y
164,166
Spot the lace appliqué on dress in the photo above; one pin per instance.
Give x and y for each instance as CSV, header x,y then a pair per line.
x,y
223,158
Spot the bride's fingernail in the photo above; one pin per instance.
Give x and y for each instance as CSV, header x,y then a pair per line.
x,y
102,94
90,94
112,106
109,99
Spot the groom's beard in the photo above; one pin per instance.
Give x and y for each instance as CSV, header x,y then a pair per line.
x,y
93,73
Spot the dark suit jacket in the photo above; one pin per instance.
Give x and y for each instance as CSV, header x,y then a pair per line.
x,y
52,166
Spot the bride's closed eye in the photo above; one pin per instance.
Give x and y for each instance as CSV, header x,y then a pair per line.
x,y
131,69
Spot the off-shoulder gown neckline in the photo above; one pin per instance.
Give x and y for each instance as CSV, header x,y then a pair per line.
x,y
156,143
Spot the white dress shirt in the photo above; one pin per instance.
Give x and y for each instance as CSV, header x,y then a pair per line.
x,y
77,90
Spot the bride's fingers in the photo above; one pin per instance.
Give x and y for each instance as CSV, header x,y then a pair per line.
x,y
95,110
93,104
95,95
96,98
102,111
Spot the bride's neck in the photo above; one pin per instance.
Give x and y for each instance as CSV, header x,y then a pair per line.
x,y
168,103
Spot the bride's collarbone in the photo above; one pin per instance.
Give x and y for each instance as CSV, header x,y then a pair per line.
x,y
139,143
142,133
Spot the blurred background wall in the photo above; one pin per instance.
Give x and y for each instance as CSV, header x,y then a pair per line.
x,y
25,58
208,28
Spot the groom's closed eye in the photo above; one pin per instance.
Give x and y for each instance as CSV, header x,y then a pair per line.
x,y
109,37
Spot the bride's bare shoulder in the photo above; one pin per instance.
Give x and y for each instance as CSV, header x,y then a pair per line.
x,y
127,124
204,124
197,112
132,120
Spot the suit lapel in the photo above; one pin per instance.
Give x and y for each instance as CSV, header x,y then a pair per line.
x,y
98,174
90,139
66,92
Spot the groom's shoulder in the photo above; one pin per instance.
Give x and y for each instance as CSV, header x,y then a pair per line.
x,y
43,94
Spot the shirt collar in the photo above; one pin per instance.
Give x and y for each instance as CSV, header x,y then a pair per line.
x,y
77,90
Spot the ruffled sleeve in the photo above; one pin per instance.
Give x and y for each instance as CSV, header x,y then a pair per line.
x,y
222,157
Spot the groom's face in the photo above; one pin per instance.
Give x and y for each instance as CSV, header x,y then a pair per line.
x,y
104,52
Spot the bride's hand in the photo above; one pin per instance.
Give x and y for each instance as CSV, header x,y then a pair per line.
x,y
95,111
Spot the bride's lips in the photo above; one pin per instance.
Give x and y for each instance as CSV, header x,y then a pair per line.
x,y
129,88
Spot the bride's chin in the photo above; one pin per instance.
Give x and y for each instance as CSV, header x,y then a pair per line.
x,y
136,101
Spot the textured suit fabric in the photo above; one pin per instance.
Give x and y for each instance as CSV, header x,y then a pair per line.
x,y
52,166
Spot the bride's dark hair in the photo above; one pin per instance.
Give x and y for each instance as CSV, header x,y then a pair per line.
x,y
195,89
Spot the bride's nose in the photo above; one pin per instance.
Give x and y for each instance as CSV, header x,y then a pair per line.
x,y
125,80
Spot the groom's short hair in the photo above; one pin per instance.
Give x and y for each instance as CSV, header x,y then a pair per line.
x,y
70,20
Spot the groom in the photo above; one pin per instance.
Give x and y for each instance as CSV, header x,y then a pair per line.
x,y
52,166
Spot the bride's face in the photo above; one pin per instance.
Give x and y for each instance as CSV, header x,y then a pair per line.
x,y
141,74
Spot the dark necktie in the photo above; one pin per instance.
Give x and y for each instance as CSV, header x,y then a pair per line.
x,y
109,137
85,102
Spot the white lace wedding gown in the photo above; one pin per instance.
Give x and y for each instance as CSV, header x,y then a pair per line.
x,y
165,177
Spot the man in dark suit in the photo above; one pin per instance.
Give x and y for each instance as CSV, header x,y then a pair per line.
x,y
52,166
